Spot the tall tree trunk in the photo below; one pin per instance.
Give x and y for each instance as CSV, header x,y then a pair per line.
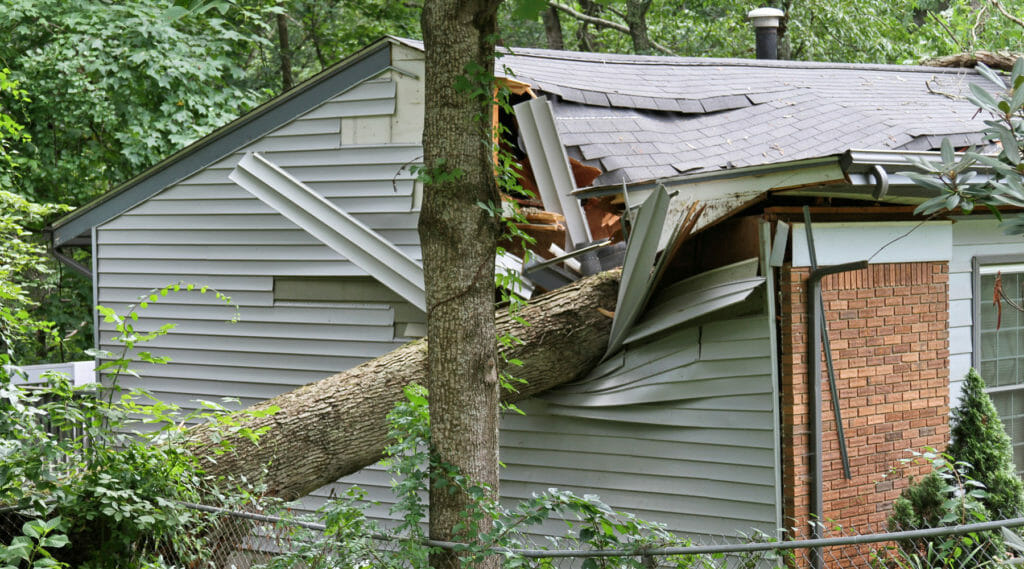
x,y
459,239
338,425
286,52
636,19
553,28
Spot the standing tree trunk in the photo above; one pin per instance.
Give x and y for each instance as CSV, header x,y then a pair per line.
x,y
552,28
459,240
286,52
636,19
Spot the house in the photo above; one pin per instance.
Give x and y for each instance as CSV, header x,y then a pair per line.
x,y
304,212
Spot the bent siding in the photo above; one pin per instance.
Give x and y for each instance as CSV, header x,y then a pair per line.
x,y
700,460
689,441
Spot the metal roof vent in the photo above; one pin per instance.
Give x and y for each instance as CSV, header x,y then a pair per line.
x,y
766,26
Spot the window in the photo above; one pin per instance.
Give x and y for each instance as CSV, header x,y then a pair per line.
x,y
999,343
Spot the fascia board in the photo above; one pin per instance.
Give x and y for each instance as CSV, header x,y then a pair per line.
x,y
225,140
332,226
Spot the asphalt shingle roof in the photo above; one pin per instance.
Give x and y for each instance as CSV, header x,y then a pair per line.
x,y
645,117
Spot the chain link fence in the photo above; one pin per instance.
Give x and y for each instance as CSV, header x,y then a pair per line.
x,y
252,538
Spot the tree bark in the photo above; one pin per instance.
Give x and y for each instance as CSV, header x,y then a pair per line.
x,y
553,28
636,19
286,52
1002,60
459,238
338,425
589,16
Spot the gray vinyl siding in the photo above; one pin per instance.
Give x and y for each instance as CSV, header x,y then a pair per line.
x,y
976,236
698,456
207,230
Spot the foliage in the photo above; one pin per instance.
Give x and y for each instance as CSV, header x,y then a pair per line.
x,y
980,440
91,492
329,31
117,87
945,496
26,277
953,177
863,31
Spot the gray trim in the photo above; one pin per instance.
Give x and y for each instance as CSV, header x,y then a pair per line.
x,y
551,168
95,293
727,174
226,140
635,286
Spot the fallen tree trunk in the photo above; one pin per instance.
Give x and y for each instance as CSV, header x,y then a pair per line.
x,y
336,426
1002,60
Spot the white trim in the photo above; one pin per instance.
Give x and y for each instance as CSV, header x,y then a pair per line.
x,y
877,241
1001,268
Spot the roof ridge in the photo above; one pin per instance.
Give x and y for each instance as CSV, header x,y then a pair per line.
x,y
676,61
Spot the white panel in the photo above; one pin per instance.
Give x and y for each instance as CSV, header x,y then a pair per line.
x,y
960,312
369,90
302,126
882,242
374,107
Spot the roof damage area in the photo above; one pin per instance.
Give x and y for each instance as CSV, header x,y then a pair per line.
x,y
722,135
643,118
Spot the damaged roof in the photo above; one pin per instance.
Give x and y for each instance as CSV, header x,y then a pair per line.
x,y
641,118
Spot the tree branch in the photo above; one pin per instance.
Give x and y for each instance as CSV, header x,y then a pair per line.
x,y
1002,10
607,24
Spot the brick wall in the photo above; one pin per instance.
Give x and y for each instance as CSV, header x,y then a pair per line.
x,y
888,326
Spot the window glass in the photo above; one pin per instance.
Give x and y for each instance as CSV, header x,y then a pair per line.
x,y
1001,352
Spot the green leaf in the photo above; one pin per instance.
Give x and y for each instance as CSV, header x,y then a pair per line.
x,y
528,9
983,98
948,154
55,541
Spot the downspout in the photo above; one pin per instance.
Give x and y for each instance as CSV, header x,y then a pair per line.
x,y
815,317
71,263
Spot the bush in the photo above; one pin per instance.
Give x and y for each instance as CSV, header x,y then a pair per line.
x,y
980,440
945,496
